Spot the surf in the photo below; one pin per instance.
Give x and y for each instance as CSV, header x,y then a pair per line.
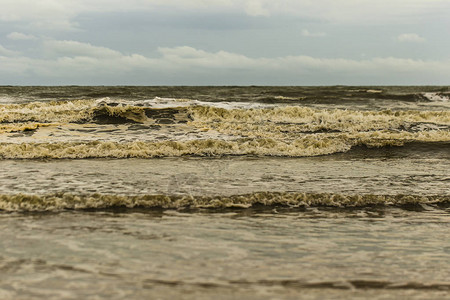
x,y
67,201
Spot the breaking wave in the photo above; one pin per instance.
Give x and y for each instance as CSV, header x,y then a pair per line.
x,y
216,129
85,111
303,147
64,201
437,97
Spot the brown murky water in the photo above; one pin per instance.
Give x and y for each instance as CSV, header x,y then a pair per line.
x,y
216,192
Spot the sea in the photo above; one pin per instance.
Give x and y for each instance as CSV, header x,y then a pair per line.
x,y
225,192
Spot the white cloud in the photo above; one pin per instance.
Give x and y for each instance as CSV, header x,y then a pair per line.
x,y
84,63
256,8
307,33
410,37
187,56
76,49
20,36
7,52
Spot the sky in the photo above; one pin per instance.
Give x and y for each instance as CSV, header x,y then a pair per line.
x,y
224,42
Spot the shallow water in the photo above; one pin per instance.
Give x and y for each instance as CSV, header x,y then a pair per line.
x,y
246,253
224,192
368,172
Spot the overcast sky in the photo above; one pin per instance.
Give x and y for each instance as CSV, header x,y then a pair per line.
x,y
223,42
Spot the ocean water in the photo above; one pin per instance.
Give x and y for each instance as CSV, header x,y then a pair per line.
x,y
225,192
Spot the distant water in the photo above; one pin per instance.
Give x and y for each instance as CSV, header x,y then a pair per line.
x,y
225,192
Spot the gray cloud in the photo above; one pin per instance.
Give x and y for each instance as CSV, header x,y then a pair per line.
x,y
224,42
59,14
82,62
6,52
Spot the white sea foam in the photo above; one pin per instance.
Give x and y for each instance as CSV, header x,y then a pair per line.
x,y
7,99
163,102
437,97
176,127
61,201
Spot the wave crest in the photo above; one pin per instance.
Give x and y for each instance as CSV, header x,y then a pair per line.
x,y
206,130
89,110
310,145
62,201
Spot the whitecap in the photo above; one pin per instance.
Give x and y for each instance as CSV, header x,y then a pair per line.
x,y
436,97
